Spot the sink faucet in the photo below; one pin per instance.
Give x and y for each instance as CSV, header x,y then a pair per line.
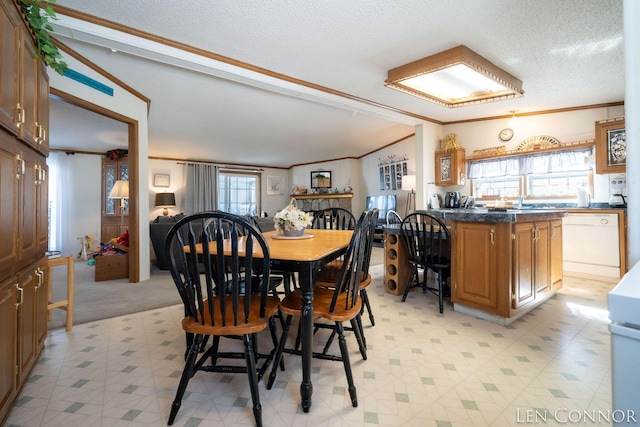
x,y
520,201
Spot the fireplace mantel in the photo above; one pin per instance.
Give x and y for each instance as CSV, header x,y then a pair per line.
x,y
315,202
322,196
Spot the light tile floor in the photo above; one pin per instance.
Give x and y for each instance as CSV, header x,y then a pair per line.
x,y
423,369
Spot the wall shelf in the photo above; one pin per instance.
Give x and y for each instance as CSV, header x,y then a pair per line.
x,y
322,196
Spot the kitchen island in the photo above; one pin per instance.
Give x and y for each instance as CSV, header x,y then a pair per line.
x,y
503,262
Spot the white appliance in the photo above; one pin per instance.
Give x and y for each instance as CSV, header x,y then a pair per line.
x,y
624,312
591,245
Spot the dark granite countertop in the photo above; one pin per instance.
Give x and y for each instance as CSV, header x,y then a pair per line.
x,y
490,215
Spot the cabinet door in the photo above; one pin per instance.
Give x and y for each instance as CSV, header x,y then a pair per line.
x,y
523,290
28,86
8,344
10,166
555,247
27,351
27,205
9,94
474,271
542,256
42,302
450,167
115,220
42,207
42,125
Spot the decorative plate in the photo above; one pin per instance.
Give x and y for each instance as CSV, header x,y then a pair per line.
x,y
283,237
538,142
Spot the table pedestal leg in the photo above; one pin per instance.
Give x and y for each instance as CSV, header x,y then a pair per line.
x,y
306,332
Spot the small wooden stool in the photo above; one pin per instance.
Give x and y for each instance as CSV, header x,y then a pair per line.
x,y
66,304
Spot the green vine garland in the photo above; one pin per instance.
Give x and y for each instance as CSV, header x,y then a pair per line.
x,y
39,21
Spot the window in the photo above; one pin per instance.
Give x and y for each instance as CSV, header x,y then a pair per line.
x,y
239,193
507,186
535,175
557,184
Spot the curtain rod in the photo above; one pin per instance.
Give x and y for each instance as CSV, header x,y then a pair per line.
x,y
244,168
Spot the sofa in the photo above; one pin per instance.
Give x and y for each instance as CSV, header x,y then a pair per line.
x,y
159,228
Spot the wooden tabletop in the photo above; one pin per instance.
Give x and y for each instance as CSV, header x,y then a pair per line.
x,y
323,243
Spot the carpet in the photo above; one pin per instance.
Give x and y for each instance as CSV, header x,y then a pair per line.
x,y
102,300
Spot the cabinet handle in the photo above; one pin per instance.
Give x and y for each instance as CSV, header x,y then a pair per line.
x,y
36,171
491,233
20,115
40,275
20,296
21,167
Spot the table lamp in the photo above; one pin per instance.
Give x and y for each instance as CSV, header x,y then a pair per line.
x,y
409,184
120,190
165,200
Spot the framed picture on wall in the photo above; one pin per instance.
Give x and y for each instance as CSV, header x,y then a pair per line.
x,y
274,185
161,180
321,180
611,146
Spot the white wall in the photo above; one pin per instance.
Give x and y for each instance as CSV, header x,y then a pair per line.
x,y
370,171
568,126
269,203
125,104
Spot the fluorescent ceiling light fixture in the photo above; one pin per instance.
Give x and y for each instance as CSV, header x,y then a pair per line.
x,y
455,78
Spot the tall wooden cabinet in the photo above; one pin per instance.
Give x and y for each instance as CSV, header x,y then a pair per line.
x,y
24,117
115,221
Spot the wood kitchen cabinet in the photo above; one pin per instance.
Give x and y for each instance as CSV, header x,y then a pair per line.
x,y
450,168
555,256
32,316
8,344
531,262
10,28
24,119
505,268
479,274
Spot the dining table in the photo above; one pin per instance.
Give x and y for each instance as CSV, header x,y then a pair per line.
x,y
304,255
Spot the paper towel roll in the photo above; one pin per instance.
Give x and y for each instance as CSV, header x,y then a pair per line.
x,y
583,197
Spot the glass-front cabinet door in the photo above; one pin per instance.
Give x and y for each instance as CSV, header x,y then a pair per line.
x,y
450,167
115,212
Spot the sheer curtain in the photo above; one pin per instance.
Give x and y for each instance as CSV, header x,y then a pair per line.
x,y
58,212
525,164
201,193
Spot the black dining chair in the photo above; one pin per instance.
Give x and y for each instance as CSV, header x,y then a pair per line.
x,y
371,219
427,240
334,219
336,305
393,217
343,219
223,296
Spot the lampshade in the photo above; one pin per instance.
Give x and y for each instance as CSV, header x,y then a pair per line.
x,y
455,78
120,190
409,182
165,200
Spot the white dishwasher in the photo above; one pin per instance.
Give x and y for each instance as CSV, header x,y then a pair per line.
x,y
591,245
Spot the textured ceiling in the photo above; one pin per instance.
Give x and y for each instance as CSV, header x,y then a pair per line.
x,y
568,53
